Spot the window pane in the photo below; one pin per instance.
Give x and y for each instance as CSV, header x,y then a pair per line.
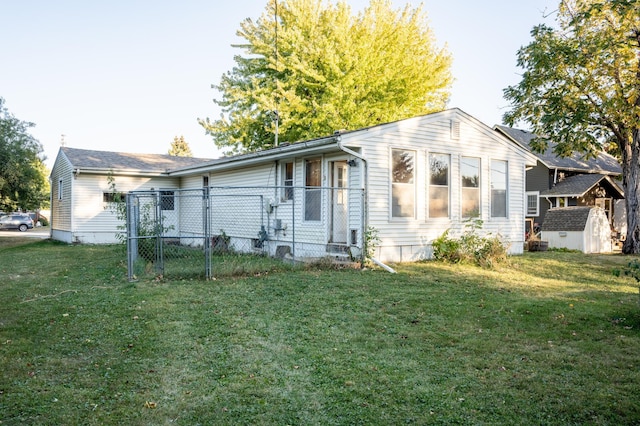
x,y
402,187
402,168
439,185
287,181
470,172
470,202
312,204
402,200
312,196
312,173
470,176
439,201
498,188
166,200
439,168
532,205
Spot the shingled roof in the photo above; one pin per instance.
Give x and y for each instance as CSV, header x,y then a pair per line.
x,y
578,185
604,163
567,219
123,161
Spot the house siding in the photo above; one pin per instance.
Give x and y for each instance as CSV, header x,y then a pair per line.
x,y
94,221
409,239
246,193
61,206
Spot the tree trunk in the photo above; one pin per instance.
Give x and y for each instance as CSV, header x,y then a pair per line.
x,y
631,173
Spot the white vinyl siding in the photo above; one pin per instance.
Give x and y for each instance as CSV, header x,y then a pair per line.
x,y
96,221
403,240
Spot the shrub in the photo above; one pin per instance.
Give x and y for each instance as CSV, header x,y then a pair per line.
x,y
470,247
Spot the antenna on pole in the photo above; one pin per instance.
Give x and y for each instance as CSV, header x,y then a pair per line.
x,y
276,114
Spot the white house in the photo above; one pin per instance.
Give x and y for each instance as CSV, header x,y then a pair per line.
x,y
418,177
81,189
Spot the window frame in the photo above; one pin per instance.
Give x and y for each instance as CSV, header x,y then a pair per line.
x,y
528,213
402,188
167,199
433,186
476,188
492,179
110,197
60,188
312,212
287,182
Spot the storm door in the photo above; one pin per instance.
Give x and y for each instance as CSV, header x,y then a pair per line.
x,y
339,202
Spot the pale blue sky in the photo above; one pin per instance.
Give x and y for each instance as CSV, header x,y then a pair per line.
x,y
130,75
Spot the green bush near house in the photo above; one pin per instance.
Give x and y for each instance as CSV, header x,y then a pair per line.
x,y
470,247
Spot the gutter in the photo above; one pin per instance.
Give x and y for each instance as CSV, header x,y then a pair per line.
x,y
383,266
257,157
365,210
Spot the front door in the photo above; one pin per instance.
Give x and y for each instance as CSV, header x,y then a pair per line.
x,y
339,200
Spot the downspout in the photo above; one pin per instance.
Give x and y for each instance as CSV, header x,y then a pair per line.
x,y
365,218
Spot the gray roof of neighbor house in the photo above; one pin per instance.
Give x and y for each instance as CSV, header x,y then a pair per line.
x,y
87,159
578,185
566,219
604,163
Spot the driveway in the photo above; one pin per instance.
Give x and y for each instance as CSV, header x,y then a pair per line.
x,y
41,232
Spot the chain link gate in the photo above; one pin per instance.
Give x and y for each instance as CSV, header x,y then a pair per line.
x,y
181,233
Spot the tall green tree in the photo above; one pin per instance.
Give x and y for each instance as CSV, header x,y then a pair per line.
x,y
581,88
310,67
180,148
23,182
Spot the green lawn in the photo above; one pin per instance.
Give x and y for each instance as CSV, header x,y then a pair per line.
x,y
551,338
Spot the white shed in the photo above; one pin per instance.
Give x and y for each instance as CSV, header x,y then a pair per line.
x,y
584,228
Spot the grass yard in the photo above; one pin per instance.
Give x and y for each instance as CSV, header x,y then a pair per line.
x,y
551,338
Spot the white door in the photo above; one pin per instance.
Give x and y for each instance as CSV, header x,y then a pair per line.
x,y
339,202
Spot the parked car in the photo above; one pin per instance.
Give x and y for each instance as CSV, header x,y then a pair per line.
x,y
20,222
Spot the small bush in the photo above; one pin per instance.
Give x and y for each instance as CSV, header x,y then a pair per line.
x,y
470,247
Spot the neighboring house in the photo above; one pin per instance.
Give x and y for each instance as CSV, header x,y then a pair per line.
x,y
81,191
419,176
557,182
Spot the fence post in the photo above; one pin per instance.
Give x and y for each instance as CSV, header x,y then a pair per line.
x,y
131,234
158,231
206,225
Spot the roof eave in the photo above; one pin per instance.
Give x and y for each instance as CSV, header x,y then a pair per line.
x,y
225,163
79,170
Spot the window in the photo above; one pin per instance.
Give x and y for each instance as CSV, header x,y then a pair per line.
x,y
498,188
60,189
402,183
532,203
167,201
205,181
470,176
287,181
312,192
112,197
439,185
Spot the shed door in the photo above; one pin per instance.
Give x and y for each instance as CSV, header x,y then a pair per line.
x,y
339,200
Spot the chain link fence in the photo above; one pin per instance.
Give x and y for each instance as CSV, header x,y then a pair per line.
x,y
218,230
